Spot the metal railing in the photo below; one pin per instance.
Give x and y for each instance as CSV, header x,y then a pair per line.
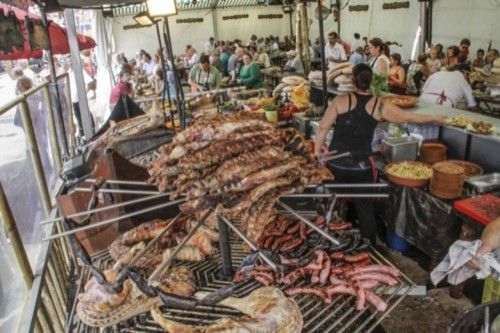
x,y
45,309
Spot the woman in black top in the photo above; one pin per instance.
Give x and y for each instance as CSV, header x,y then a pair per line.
x,y
355,117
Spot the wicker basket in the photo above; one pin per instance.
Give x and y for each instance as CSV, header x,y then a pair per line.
x,y
431,153
447,180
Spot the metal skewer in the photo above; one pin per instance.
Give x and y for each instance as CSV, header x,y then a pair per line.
x,y
354,185
141,253
115,219
249,242
309,223
331,158
338,195
120,182
166,264
121,191
101,209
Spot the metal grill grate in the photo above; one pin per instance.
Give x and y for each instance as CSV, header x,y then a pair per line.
x,y
339,316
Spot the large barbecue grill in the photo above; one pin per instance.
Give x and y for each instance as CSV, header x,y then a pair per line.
x,y
339,316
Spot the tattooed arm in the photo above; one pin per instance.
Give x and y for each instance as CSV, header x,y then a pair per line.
x,y
393,114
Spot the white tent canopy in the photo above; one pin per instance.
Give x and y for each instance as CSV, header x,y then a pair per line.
x,y
452,21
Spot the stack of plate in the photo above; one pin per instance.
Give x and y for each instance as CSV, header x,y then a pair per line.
x,y
432,153
447,180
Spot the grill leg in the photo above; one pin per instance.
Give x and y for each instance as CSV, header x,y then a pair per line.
x,y
225,250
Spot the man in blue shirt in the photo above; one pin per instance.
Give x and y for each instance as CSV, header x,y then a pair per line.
x,y
357,57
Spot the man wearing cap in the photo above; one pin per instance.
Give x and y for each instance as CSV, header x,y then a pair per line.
x,y
293,64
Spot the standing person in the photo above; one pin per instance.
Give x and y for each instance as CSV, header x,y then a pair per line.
x,y
209,46
250,73
294,64
357,42
358,56
355,116
27,71
397,76
434,63
418,72
346,46
452,57
253,52
235,63
148,65
491,56
253,41
464,47
203,76
263,59
224,58
479,61
440,54
90,69
448,87
74,94
379,62
122,88
334,52
216,62
194,58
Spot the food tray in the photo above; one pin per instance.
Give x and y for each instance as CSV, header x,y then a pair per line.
x,y
401,101
485,183
471,169
482,208
408,182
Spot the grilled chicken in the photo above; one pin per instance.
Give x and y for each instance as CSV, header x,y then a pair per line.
x,y
267,310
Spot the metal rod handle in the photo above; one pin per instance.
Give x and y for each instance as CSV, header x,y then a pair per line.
x,y
362,195
309,223
114,219
101,209
354,185
166,263
112,190
225,248
249,242
120,182
334,157
12,233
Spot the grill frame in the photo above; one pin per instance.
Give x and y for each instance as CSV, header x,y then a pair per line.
x,y
342,316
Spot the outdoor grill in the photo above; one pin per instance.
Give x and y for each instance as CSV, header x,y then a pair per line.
x,y
339,316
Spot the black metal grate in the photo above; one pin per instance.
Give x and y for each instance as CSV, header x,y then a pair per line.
x,y
339,316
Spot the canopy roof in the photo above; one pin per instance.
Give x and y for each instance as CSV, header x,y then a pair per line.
x,y
184,5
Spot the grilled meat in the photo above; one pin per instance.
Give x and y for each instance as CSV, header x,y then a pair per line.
x,y
268,310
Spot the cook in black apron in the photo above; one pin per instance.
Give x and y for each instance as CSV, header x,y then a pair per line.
x,y
353,133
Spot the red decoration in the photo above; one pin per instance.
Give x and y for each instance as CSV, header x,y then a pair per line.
x,y
59,38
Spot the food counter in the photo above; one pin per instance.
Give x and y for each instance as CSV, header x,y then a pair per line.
x,y
464,145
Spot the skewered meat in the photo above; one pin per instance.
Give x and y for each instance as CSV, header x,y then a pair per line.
x,y
238,162
217,131
129,128
268,310
200,245
97,307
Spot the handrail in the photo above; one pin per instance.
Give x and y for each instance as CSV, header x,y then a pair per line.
x,y
17,100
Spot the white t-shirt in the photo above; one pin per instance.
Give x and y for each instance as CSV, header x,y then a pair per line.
x,y
209,48
195,58
451,85
357,43
336,51
374,63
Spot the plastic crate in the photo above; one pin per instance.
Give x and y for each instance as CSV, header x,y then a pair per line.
x,y
491,290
